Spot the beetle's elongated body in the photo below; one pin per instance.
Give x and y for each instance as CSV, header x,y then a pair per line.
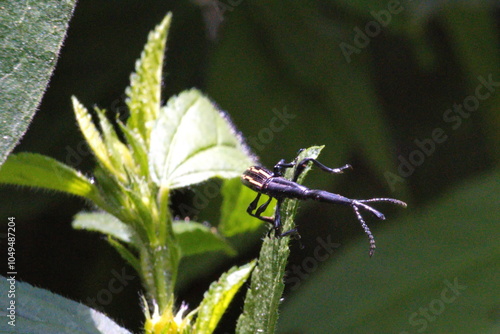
x,y
276,186
263,181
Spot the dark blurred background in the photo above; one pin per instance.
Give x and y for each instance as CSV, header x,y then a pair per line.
x,y
380,83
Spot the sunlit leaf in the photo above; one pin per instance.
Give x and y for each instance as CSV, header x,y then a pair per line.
x,y
104,223
35,170
192,141
137,147
218,297
93,136
119,153
144,92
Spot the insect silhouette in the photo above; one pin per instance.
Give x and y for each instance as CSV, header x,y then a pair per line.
x,y
275,185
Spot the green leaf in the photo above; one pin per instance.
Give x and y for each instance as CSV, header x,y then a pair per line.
x,y
404,288
93,137
195,238
138,149
144,92
126,254
218,297
118,152
31,35
116,231
192,141
38,311
260,313
234,218
104,223
35,170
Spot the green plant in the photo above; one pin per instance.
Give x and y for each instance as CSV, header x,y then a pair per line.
x,y
370,106
185,142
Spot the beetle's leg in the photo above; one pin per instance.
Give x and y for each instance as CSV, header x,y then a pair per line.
x,y
303,164
294,233
281,166
261,209
277,217
277,226
277,220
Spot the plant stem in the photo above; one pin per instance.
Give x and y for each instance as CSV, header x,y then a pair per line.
x,y
260,313
163,254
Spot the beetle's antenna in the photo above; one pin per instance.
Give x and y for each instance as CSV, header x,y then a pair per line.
x,y
367,230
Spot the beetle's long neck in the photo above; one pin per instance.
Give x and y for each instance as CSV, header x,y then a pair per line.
x,y
325,196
